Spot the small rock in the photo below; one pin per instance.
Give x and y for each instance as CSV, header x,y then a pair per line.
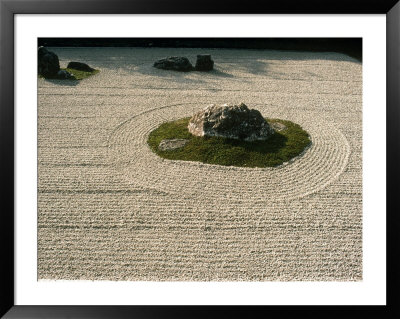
x,y
63,74
48,63
79,66
204,62
278,126
171,144
175,63
230,121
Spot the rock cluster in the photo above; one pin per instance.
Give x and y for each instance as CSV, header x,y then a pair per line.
x,y
179,63
176,63
48,63
230,121
49,66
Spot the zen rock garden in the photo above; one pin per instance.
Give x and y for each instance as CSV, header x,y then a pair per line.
x,y
182,64
49,67
161,173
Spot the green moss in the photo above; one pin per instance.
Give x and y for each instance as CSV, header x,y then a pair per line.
x,y
79,75
279,148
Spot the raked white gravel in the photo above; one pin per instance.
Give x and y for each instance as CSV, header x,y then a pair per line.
x,y
109,208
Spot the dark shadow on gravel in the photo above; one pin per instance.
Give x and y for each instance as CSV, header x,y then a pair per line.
x,y
219,73
193,77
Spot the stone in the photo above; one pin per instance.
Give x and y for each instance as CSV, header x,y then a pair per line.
x,y
278,126
42,51
48,63
175,63
172,144
204,62
63,74
230,121
79,66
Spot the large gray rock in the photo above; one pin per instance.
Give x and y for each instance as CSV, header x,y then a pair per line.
x,y
204,62
48,63
175,63
230,121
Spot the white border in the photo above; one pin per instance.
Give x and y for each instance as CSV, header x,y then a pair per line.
x,y
370,291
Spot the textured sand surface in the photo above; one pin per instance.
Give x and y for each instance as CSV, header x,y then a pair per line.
x,y
109,208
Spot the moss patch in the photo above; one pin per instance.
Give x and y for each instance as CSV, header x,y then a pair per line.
x,y
79,75
279,148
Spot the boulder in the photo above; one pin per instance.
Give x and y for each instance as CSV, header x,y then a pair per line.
x,y
79,66
171,144
230,121
175,63
204,62
48,63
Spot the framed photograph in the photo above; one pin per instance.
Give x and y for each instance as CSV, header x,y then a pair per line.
x,y
157,157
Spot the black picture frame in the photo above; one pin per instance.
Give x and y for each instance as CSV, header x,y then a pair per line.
x,y
9,8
